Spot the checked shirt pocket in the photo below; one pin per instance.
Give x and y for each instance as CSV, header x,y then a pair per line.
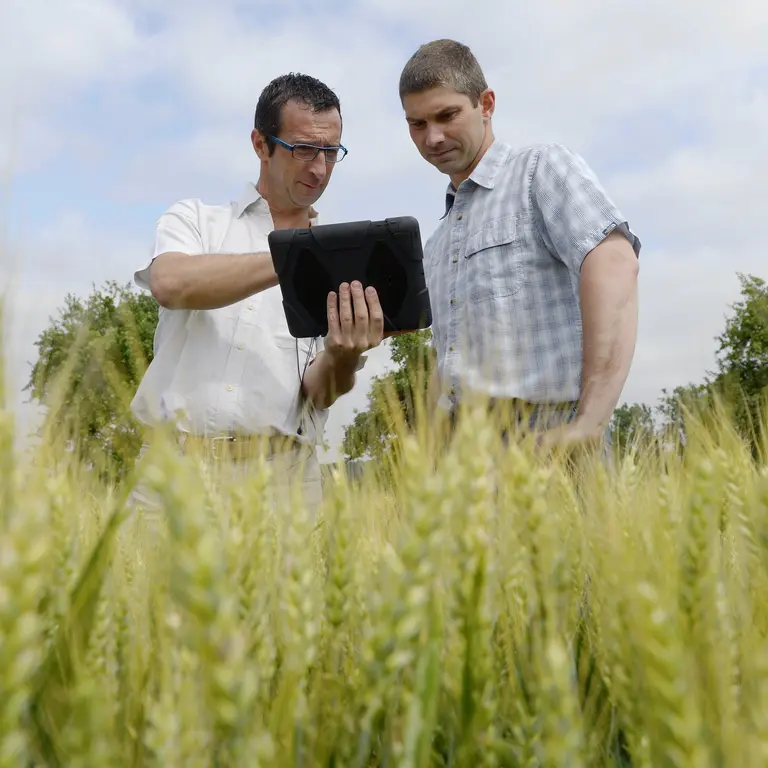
x,y
493,259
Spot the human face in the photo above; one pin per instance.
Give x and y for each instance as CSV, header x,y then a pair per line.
x,y
287,182
448,131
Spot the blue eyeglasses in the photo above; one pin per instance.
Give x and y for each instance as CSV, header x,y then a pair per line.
x,y
308,152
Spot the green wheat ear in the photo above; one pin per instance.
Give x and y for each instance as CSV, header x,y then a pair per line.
x,y
60,668
466,603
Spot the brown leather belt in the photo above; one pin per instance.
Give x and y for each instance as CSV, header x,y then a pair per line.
x,y
514,410
237,447
526,407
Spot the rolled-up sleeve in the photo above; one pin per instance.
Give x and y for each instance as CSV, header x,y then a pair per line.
x,y
574,213
178,230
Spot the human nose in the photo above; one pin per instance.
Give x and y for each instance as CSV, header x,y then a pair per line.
x,y
318,167
435,136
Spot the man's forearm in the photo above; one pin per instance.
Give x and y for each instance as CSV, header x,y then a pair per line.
x,y
209,281
609,310
325,382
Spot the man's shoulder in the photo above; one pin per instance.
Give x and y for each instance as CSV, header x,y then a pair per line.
x,y
545,165
196,208
549,152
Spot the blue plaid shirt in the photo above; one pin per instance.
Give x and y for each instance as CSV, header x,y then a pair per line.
x,y
502,270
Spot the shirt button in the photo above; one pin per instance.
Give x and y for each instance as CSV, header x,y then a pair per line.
x,y
451,348
455,259
459,217
229,387
453,301
250,306
239,346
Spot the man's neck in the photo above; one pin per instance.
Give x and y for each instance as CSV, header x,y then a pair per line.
x,y
285,216
297,218
484,147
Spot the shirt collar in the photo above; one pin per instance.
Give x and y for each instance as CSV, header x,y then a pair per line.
x,y
250,196
484,174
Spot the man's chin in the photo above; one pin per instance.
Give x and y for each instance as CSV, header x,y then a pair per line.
x,y
449,166
308,195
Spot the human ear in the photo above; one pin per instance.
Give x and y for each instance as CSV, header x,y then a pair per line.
x,y
259,145
487,103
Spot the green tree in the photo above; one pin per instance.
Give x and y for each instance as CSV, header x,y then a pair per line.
x,y
676,407
90,361
740,382
743,346
394,395
742,358
631,424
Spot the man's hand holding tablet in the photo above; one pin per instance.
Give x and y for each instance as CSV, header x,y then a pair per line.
x,y
355,322
355,325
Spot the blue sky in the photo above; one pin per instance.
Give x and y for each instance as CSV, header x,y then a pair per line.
x,y
124,106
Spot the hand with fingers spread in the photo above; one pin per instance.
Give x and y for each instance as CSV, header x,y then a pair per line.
x,y
355,324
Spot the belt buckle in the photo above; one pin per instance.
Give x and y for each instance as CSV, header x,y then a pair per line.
x,y
218,440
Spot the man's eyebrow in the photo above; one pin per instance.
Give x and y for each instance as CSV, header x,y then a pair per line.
x,y
314,142
440,113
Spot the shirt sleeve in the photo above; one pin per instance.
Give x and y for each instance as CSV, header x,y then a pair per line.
x,y
573,209
178,229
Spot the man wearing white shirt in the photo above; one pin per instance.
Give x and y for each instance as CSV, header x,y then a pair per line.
x,y
226,372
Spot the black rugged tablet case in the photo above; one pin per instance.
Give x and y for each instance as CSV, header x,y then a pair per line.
x,y
313,261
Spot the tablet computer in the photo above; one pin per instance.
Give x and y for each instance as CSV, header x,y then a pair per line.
x,y
313,261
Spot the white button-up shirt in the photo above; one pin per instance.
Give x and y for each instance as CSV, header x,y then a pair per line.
x,y
233,369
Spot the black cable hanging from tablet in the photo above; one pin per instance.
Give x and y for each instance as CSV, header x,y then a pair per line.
x,y
301,374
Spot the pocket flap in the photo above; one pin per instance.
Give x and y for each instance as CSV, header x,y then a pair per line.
x,y
497,232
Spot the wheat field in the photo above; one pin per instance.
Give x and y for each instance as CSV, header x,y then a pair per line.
x,y
469,604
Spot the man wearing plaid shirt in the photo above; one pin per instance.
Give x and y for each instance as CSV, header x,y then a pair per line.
x,y
532,271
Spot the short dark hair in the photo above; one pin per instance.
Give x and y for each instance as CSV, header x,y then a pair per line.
x,y
443,63
302,88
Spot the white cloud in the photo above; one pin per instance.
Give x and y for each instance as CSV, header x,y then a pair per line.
x,y
685,297
670,102
51,47
56,52
710,194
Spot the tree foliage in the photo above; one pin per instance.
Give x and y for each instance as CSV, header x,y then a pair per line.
x,y
393,395
632,424
739,384
90,361
92,357
742,375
